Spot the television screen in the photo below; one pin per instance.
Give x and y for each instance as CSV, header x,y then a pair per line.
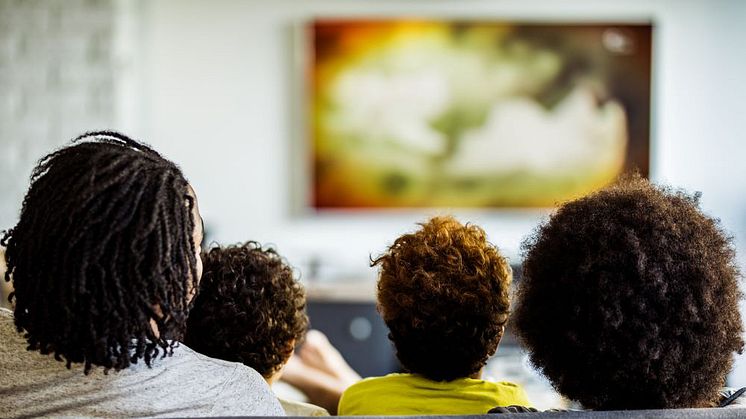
x,y
480,114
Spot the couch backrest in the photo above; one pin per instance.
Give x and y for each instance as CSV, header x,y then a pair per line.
x,y
615,414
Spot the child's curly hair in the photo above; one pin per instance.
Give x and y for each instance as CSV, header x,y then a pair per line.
x,y
444,293
250,308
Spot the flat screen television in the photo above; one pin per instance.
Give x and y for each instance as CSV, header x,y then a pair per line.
x,y
426,113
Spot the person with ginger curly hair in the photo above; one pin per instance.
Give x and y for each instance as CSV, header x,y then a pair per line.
x,y
444,293
629,300
251,310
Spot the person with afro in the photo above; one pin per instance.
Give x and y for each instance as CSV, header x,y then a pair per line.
x,y
251,309
444,293
629,300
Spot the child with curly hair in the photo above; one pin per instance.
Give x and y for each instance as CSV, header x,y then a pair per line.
x,y
250,309
444,293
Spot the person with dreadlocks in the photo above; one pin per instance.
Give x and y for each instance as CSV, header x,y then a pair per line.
x,y
104,262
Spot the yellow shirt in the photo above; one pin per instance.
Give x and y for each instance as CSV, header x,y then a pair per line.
x,y
410,394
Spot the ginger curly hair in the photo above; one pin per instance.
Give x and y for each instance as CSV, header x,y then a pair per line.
x,y
444,293
629,300
250,308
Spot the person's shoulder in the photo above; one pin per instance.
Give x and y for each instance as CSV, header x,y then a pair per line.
x,y
237,371
182,351
295,408
506,386
511,392
375,388
243,390
385,380
361,386
358,397
365,386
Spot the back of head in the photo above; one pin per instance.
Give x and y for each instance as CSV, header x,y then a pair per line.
x,y
103,247
629,300
250,308
443,292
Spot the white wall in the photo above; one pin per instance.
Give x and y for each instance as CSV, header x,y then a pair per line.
x,y
222,96
57,77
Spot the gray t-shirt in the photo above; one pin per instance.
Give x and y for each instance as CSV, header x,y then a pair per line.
x,y
185,384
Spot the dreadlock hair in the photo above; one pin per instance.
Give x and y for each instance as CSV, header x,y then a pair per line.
x,y
103,247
